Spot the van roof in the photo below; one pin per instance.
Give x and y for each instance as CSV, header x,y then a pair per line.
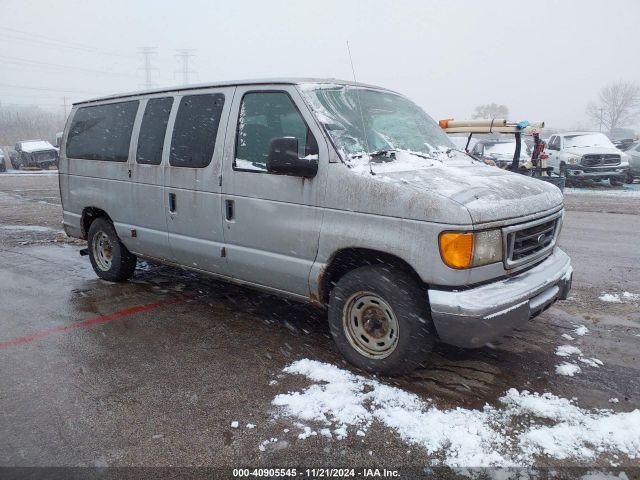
x,y
231,83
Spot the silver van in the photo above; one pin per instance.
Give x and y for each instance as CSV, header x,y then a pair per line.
x,y
344,195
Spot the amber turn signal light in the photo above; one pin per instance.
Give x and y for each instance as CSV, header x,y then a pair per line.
x,y
456,249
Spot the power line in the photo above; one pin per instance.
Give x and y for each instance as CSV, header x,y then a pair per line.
x,y
184,55
37,64
43,39
147,55
48,89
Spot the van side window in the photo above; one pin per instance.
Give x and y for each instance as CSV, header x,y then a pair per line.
x,y
152,130
102,132
195,130
263,117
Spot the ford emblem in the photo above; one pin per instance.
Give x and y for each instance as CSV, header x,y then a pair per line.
x,y
541,238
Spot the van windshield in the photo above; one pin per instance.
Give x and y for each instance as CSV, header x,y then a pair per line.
x,y
364,122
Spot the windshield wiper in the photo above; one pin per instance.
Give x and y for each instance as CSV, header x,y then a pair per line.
x,y
391,154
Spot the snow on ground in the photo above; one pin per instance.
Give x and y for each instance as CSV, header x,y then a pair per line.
x,y
568,369
524,427
14,173
581,330
592,362
626,191
567,351
28,228
619,297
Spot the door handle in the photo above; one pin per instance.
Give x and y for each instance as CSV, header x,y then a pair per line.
x,y
172,202
229,210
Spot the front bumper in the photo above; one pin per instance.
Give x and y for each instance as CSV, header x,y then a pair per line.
x,y
471,318
595,173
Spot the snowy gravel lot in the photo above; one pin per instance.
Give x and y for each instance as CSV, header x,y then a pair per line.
x,y
204,372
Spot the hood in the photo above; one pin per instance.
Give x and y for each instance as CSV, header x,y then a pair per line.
x,y
36,146
592,150
488,193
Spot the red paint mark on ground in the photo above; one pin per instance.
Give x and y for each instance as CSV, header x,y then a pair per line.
x,y
86,323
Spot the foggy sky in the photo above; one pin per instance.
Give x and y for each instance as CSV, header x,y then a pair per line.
x,y
545,60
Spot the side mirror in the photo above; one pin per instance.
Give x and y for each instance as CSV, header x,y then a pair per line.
x,y
283,159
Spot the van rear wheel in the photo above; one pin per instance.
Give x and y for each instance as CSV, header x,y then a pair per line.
x,y
379,320
109,257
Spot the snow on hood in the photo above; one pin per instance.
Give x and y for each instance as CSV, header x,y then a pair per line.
x,y
489,193
36,146
592,150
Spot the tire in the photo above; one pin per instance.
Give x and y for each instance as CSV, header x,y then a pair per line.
x,y
398,335
3,168
110,259
562,170
616,182
568,181
628,179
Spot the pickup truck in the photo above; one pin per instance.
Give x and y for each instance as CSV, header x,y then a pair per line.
x,y
587,156
35,153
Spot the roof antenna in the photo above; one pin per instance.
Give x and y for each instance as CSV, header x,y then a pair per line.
x,y
364,132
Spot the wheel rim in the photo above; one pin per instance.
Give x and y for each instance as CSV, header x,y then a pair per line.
x,y
370,325
102,251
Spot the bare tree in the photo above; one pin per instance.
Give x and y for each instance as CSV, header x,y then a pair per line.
x,y
28,123
491,110
618,105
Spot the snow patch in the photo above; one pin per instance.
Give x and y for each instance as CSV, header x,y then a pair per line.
x,y
581,330
568,369
619,297
592,362
567,351
631,296
28,228
509,435
610,298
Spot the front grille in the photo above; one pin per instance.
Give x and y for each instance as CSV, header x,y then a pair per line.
x,y
594,160
529,241
41,156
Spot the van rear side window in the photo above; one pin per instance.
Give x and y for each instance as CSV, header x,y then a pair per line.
x,y
102,132
152,130
195,130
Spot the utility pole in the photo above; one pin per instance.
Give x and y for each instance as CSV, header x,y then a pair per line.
x,y
184,55
64,105
601,114
147,56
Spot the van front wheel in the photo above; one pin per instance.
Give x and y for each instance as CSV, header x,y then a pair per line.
x,y
110,259
379,320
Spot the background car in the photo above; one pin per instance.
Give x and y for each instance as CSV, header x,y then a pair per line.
x,y
624,144
500,151
634,162
35,153
3,162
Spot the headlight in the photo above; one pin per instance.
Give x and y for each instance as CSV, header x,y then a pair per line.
x,y
470,249
573,159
